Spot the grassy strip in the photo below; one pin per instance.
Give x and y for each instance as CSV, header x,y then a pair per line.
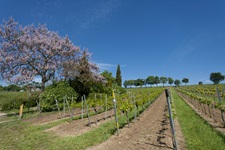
x,y
197,133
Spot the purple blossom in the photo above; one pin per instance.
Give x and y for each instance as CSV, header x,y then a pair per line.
x,y
26,52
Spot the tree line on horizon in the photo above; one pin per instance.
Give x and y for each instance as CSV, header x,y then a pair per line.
x,y
215,77
154,80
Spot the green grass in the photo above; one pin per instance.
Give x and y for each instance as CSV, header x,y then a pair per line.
x,y
21,135
197,133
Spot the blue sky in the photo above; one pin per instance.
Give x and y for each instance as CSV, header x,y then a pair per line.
x,y
170,38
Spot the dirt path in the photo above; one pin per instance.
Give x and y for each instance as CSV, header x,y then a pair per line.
x,y
2,114
152,131
44,118
80,126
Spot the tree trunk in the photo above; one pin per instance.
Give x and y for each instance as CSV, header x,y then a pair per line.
x,y
43,81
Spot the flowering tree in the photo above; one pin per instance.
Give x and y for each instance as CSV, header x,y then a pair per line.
x,y
26,52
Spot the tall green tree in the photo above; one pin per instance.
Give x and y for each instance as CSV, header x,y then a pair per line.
x,y
118,76
177,82
1,88
163,80
129,83
126,83
170,81
157,81
216,77
150,80
185,80
139,82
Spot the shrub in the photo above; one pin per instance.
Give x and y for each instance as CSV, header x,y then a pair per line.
x,y
56,92
12,100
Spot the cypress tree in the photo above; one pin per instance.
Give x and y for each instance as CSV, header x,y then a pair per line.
x,y
118,76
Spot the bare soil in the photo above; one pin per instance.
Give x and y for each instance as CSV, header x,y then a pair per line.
x,y
2,114
152,131
44,118
78,127
209,114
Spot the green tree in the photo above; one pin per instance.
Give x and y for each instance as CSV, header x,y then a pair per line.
x,y
135,83
110,80
157,81
1,88
118,76
185,80
216,77
200,83
13,87
130,82
126,83
163,80
150,80
139,82
170,81
82,75
177,82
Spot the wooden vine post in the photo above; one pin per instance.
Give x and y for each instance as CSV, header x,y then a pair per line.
x,y
116,117
38,106
71,115
64,107
82,112
58,107
21,111
106,109
222,115
89,121
135,108
171,118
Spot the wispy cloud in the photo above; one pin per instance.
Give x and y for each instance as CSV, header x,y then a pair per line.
x,y
106,66
77,15
99,12
186,48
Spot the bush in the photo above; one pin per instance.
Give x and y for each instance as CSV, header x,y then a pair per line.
x,y
12,100
31,101
120,90
56,92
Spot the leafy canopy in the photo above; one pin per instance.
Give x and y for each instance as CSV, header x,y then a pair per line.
x,y
118,76
216,77
83,76
177,82
185,80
